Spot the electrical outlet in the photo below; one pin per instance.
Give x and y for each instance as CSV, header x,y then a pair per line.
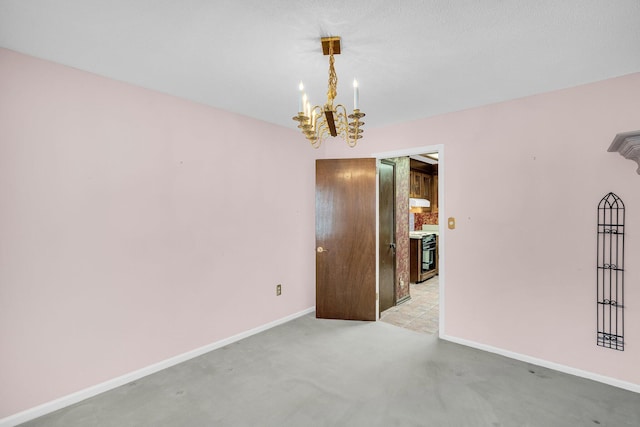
x,y
278,289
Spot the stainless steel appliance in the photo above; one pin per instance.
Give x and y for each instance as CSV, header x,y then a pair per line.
x,y
428,253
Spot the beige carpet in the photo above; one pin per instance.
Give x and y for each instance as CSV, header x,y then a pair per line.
x,y
311,372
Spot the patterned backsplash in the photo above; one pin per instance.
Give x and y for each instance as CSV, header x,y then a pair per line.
x,y
425,218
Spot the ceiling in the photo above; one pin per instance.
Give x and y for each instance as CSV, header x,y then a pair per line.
x,y
412,58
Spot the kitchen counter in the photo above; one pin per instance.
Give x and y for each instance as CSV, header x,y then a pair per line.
x,y
419,234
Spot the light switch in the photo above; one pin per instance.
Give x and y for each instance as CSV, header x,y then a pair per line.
x,y
451,223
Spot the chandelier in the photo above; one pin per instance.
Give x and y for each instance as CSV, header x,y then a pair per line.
x,y
318,122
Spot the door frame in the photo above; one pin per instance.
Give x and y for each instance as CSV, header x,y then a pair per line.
x,y
379,161
437,148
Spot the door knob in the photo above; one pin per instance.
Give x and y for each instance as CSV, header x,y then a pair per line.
x,y
321,249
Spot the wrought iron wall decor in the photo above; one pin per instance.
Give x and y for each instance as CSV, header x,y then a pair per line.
x,y
610,268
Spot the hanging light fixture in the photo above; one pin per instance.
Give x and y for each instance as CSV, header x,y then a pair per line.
x,y
318,122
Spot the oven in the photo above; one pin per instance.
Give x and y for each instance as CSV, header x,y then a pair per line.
x,y
428,253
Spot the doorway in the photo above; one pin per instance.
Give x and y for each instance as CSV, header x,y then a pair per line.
x,y
425,299
357,298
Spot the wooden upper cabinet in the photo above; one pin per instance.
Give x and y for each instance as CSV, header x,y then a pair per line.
x,y
434,193
425,188
415,184
420,186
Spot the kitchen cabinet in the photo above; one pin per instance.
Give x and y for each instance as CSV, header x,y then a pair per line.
x,y
434,193
414,187
426,186
420,186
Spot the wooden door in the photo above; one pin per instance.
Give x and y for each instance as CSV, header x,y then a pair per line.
x,y
387,240
346,239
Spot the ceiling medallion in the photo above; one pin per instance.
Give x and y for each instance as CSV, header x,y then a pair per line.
x,y
318,122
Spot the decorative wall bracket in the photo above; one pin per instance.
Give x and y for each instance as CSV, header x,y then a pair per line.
x,y
628,145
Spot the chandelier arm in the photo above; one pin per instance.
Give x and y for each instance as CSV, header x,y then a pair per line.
x,y
316,112
344,125
341,113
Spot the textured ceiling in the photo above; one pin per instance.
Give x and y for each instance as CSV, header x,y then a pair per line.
x,y
413,58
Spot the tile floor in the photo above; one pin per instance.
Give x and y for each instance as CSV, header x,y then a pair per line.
x,y
421,312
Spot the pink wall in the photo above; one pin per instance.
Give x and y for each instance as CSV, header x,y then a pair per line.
x,y
135,226
523,179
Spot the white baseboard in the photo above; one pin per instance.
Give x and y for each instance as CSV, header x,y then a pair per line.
x,y
546,364
54,405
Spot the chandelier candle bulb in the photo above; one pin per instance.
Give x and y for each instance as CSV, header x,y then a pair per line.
x,y
304,103
356,95
301,99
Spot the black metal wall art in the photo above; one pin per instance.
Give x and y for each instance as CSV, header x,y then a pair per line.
x,y
610,292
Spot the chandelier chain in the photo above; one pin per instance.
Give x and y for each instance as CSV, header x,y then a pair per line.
x,y
333,78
